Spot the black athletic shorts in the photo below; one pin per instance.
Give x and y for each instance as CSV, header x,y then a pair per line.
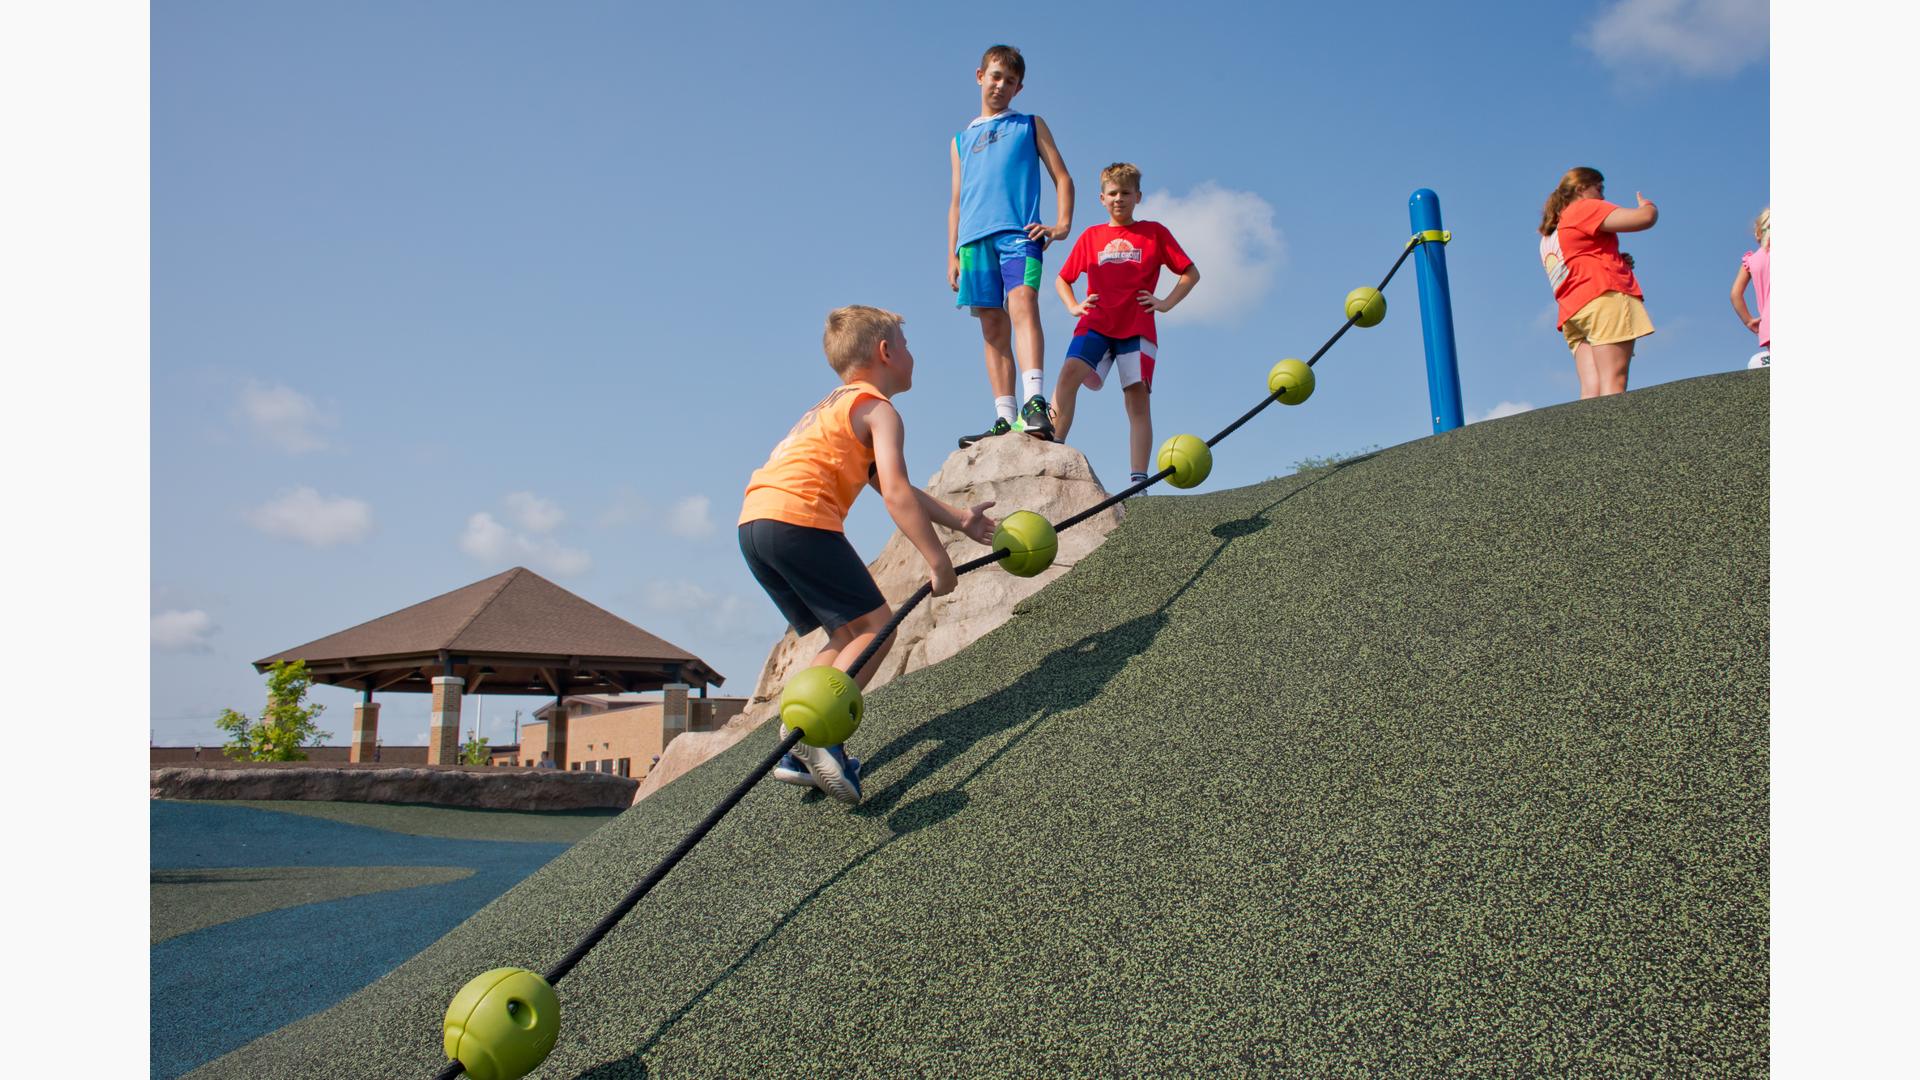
x,y
813,575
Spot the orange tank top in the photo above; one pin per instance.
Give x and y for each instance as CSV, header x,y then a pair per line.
x,y
813,476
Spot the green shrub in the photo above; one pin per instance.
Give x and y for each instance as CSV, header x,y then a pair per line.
x,y
285,726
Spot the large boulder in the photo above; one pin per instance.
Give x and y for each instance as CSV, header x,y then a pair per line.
x,y
1015,472
485,789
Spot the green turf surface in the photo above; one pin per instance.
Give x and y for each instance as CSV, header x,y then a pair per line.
x,y
193,899
452,823
1450,760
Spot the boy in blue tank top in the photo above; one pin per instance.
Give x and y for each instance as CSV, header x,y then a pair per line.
x,y
994,237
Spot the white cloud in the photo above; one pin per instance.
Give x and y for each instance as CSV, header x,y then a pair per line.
x,y
690,518
627,505
1699,38
182,631
303,514
284,417
1230,236
534,513
1505,408
489,541
707,615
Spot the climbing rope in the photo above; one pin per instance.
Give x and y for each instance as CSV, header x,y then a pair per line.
x,y
494,1007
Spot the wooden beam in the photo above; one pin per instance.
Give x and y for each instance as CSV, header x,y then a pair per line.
x,y
615,682
399,678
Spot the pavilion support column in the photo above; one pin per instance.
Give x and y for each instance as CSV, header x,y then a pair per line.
x,y
443,733
673,715
557,733
366,729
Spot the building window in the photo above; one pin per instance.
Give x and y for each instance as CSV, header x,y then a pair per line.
x,y
606,766
575,767
626,766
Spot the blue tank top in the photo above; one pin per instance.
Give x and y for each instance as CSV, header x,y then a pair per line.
x,y
999,176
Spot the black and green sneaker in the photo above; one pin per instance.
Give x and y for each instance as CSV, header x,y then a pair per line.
x,y
1036,418
1000,427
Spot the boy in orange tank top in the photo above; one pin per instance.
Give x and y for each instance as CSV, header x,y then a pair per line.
x,y
793,519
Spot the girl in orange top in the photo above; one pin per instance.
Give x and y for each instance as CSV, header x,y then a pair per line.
x,y
793,519
1602,312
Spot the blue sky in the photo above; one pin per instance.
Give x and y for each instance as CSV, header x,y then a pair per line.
x,y
442,289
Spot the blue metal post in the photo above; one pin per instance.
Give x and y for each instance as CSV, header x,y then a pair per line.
x,y
1436,314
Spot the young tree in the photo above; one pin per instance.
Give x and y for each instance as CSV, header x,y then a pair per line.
x,y
474,750
284,727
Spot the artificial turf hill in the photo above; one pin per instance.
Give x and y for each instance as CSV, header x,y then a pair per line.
x,y
1449,760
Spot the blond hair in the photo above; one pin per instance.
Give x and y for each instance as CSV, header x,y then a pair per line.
x,y
1763,227
1009,56
1567,192
1122,174
852,333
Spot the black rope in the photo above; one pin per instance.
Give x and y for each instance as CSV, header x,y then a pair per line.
x,y
1322,351
1113,500
605,926
567,962
913,601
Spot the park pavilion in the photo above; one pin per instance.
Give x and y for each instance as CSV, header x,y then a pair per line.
x,y
513,633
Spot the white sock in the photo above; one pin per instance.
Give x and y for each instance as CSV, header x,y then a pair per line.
x,y
1004,406
1030,383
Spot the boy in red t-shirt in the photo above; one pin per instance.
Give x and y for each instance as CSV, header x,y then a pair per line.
x,y
1122,261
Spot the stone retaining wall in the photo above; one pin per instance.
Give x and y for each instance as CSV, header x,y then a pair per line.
x,y
477,788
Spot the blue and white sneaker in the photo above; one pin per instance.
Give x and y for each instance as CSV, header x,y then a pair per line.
x,y
792,771
834,772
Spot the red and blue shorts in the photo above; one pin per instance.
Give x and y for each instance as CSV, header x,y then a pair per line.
x,y
1101,354
993,266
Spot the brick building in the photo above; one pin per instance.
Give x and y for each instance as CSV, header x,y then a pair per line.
x,y
620,734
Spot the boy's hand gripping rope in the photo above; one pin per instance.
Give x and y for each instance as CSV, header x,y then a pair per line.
x,y
503,1023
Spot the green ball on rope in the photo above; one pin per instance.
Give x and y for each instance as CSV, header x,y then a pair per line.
x,y
1292,380
502,1024
1190,458
1029,540
824,703
1366,307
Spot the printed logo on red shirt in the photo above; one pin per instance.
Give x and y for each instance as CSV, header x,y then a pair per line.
x,y
1117,251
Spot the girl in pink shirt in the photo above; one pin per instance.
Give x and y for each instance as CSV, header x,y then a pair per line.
x,y
1757,267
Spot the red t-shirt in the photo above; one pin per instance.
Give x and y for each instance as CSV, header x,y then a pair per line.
x,y
1119,261
1593,261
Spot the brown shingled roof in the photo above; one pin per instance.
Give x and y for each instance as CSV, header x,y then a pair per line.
x,y
503,635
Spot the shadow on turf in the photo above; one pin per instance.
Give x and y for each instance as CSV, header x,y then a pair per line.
x,y
1085,667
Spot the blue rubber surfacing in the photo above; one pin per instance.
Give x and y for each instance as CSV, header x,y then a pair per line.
x,y
216,989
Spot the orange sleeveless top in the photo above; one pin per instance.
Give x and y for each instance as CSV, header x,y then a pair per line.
x,y
813,476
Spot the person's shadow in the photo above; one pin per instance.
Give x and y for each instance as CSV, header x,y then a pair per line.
x,y
1067,679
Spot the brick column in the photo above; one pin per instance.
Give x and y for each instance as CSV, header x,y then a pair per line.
x,y
557,734
366,731
673,713
443,735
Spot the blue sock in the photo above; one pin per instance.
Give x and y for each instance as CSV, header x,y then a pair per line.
x,y
1134,478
